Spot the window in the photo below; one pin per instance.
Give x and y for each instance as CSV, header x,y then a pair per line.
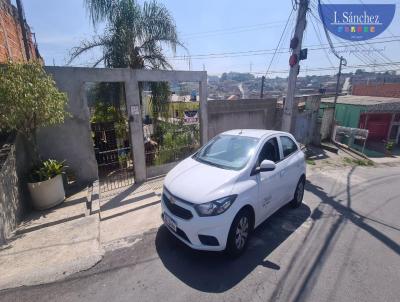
x,y
270,151
228,151
288,146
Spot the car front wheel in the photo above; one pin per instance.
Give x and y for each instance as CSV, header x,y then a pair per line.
x,y
239,233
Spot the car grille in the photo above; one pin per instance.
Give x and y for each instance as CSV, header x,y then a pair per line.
x,y
177,210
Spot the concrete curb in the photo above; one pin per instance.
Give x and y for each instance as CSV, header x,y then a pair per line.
x,y
94,198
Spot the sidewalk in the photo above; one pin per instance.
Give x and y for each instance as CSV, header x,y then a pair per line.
x,y
50,245
386,160
127,213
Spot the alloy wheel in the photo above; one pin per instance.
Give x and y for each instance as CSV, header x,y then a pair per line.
x,y
242,232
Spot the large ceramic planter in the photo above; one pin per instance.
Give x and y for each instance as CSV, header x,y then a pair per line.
x,y
47,194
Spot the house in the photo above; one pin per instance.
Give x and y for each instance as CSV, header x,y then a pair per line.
x,y
380,115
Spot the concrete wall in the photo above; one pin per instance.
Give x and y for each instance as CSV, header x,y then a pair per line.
x,y
226,115
13,192
72,140
326,123
306,129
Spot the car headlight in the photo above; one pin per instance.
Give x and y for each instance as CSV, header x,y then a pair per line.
x,y
215,207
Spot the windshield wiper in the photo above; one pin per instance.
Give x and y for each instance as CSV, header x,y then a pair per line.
x,y
212,164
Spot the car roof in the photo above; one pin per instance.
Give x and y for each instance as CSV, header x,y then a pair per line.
x,y
257,133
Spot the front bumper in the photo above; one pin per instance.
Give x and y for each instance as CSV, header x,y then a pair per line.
x,y
188,230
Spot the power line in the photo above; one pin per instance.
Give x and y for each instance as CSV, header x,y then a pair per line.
x,y
327,68
361,56
272,50
279,42
317,32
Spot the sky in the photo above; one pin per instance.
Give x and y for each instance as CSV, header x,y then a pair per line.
x,y
220,36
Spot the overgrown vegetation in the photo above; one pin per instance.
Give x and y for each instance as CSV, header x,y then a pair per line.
x,y
176,141
310,162
358,162
389,146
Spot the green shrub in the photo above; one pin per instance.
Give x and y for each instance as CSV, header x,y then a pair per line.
x,y
389,146
29,100
46,170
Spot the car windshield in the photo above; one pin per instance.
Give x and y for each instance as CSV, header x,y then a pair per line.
x,y
228,151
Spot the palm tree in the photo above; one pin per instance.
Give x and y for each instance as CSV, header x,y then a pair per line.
x,y
134,35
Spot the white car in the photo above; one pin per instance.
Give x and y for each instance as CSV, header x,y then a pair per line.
x,y
215,198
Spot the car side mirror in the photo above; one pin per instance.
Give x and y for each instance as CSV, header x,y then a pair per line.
x,y
267,165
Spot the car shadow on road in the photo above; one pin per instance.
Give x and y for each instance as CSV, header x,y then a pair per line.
x,y
215,272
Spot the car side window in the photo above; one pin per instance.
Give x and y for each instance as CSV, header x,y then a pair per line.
x,y
269,151
288,146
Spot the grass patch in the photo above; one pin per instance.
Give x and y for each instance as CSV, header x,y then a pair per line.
x,y
310,162
358,162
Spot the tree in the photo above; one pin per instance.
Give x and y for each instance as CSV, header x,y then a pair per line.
x,y
134,35
29,100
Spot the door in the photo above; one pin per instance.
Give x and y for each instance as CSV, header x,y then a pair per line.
x,y
270,187
292,160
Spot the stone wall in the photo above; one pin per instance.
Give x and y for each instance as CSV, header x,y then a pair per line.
x,y
12,190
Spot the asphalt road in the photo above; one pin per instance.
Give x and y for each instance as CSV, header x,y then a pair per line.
x,y
341,245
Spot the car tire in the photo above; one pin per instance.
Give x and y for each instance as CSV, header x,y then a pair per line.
x,y
298,194
239,233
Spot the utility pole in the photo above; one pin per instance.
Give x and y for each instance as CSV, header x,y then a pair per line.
x,y
342,62
262,87
290,105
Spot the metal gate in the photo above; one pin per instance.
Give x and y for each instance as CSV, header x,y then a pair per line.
x,y
113,156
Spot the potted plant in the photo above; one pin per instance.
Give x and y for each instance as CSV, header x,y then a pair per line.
x,y
46,184
29,100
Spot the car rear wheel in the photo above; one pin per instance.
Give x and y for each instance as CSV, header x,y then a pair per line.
x,y
239,233
299,194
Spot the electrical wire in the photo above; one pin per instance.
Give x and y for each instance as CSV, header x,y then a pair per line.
x,y
279,42
312,47
317,32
